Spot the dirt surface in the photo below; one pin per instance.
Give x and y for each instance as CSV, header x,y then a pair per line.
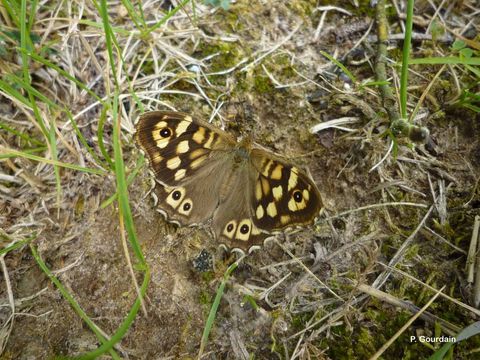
x,y
272,307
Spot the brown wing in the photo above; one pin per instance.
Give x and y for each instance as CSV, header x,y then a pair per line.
x,y
176,145
191,203
233,221
282,195
265,195
185,155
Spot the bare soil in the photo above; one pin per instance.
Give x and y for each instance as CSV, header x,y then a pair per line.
x,y
323,314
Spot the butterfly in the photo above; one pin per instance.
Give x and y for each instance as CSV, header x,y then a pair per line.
x,y
202,174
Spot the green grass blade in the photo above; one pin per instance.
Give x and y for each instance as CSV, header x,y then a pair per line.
x,y
33,11
16,245
469,331
101,144
124,327
11,93
340,65
9,153
124,207
13,10
53,147
214,308
405,57
117,149
46,100
130,179
50,134
20,134
165,18
137,19
449,60
62,72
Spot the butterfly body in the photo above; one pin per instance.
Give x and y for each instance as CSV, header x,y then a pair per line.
x,y
204,175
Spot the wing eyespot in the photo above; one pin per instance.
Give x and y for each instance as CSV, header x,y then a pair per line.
x,y
297,196
166,132
229,230
244,229
175,197
185,207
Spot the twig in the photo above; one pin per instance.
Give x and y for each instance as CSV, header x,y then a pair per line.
x,y
472,253
388,98
404,327
476,288
8,324
382,278
445,296
449,328
398,122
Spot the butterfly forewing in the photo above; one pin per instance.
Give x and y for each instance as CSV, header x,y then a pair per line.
x,y
283,195
177,146
184,153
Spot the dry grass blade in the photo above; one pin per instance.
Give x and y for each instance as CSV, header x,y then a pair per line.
x,y
405,327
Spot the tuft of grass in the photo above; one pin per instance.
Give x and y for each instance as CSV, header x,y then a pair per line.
x,y
213,310
466,333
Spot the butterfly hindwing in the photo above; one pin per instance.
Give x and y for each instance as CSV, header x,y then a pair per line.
x,y
188,204
233,221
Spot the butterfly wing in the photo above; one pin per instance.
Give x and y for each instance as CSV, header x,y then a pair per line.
x,y
265,195
183,153
282,195
177,145
233,222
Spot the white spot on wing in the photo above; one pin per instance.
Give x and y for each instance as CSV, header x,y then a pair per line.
x,y
260,212
272,209
182,147
293,179
173,163
277,192
182,127
180,174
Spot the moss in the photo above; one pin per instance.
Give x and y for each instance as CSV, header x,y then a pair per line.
x,y
300,321
365,343
227,55
302,8
262,84
205,298
208,276
283,68
380,324
231,19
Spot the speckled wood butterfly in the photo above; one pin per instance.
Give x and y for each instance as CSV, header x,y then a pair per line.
x,y
202,173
